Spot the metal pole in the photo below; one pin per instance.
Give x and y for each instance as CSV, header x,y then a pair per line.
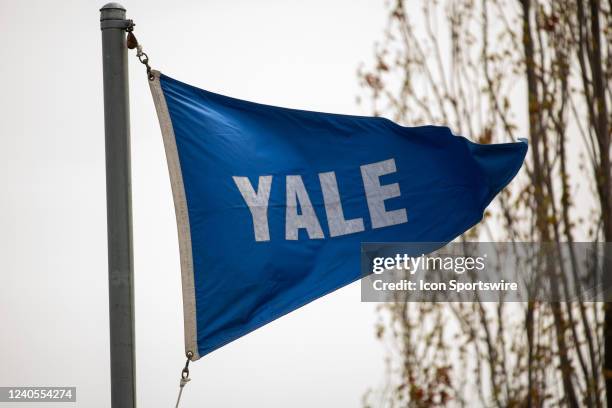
x,y
118,205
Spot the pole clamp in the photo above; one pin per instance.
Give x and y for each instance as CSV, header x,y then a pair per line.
x,y
119,24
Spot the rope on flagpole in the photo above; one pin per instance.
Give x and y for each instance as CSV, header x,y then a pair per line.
x,y
184,378
132,43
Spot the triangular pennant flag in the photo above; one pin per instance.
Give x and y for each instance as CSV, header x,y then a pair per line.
x,y
273,203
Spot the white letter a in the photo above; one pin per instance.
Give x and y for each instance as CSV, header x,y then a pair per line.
x,y
297,195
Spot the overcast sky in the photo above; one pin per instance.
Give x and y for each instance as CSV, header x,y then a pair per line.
x,y
53,278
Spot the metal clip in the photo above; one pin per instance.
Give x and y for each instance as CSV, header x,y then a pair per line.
x,y
131,43
184,376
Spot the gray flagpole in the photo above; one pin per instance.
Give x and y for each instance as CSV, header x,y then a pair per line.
x,y
118,205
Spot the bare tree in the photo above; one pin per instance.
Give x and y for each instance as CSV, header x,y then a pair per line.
x,y
494,70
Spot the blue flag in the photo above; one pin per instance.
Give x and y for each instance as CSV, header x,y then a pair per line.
x,y
273,203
